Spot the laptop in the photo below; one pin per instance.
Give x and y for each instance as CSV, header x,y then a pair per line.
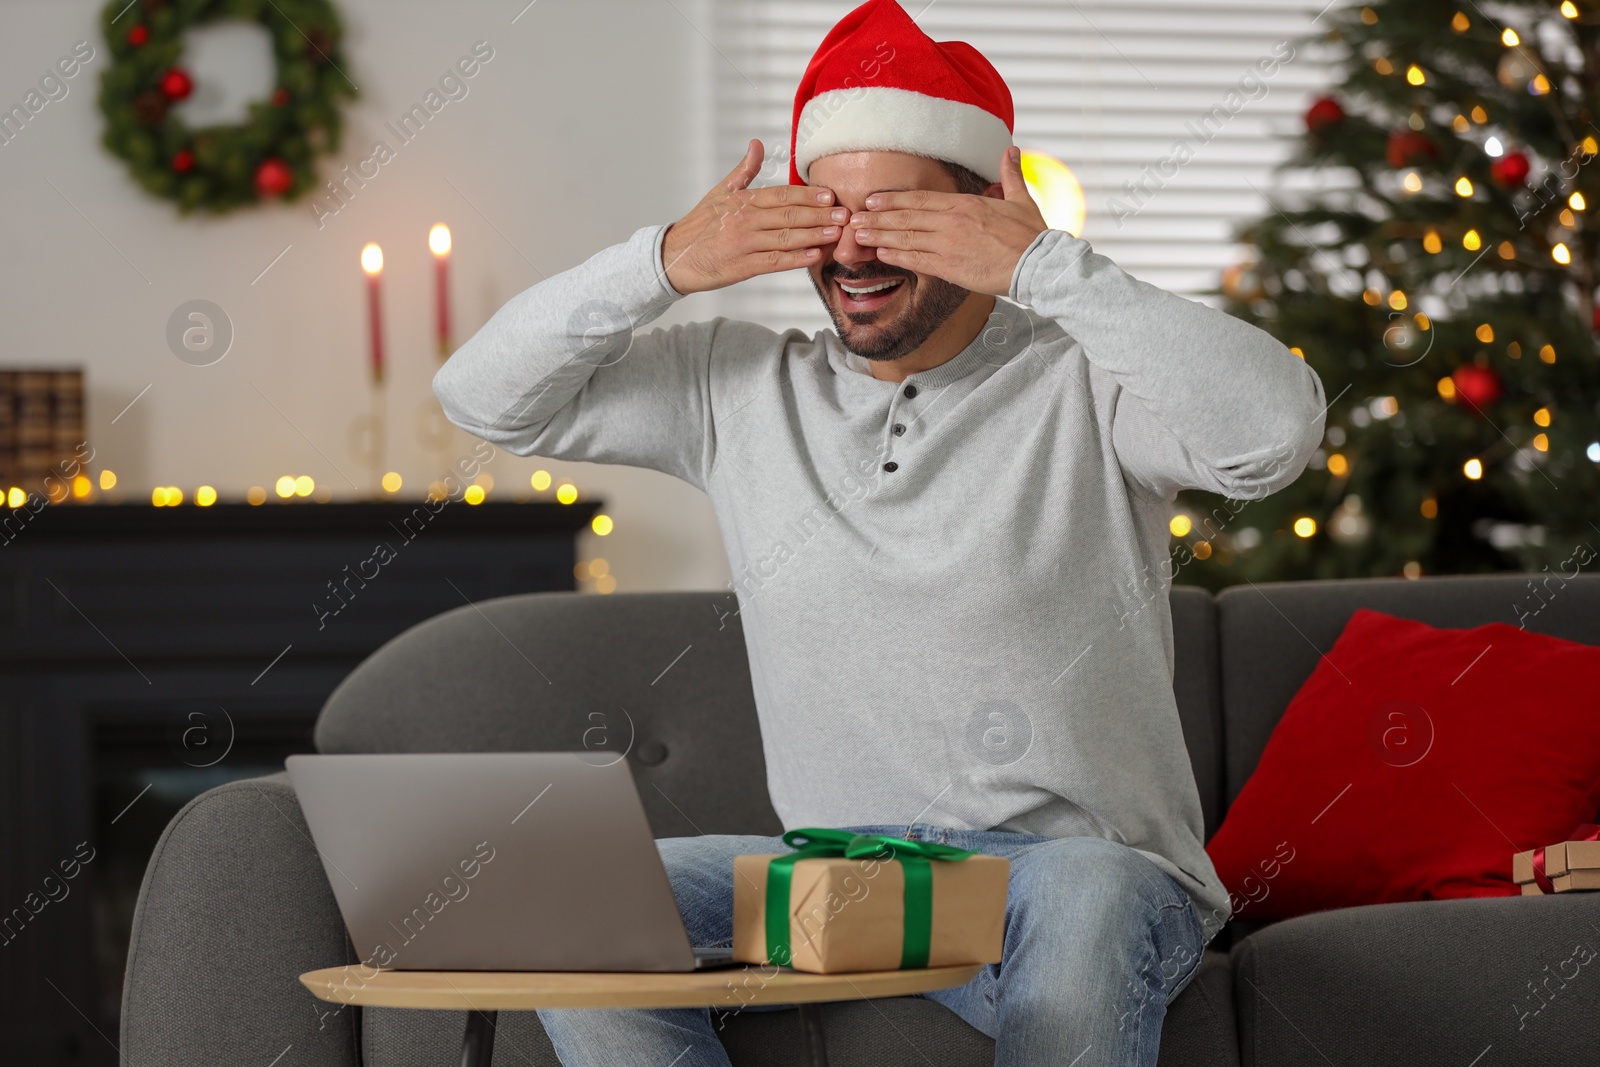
x,y
516,861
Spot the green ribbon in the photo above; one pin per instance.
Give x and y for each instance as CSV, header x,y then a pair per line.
x,y
818,843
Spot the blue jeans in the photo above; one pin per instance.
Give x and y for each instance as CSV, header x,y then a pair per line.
x,y
1098,940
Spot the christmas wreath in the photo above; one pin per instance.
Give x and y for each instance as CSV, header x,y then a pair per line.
x,y
219,168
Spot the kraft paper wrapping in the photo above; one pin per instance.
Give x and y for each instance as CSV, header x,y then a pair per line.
x,y
849,915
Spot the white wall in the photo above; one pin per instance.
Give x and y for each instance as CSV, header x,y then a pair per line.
x,y
589,122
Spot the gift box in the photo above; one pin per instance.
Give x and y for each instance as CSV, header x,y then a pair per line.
x,y
845,902
1562,867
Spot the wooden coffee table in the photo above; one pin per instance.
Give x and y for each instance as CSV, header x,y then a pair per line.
x,y
481,994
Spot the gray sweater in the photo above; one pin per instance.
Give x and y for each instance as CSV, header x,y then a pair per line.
x,y
952,589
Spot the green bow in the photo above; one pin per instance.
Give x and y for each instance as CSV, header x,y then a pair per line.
x,y
817,843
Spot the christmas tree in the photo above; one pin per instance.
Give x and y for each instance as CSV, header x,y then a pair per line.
x,y
1442,284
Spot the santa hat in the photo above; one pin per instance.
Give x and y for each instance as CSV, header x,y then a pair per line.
x,y
878,83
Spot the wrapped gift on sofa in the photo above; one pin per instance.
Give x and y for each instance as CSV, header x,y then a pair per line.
x,y
1559,868
847,902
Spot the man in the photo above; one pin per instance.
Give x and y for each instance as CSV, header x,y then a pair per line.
x,y
947,523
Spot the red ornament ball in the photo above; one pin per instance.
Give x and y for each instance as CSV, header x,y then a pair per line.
x,y
183,161
1407,148
280,97
1510,170
1324,114
273,178
138,35
176,84
1478,386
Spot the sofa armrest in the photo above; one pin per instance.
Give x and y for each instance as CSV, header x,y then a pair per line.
x,y
234,907
1439,981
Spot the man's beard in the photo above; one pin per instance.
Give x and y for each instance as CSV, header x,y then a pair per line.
x,y
928,308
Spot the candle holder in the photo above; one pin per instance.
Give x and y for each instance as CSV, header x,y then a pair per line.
x,y
368,439
433,431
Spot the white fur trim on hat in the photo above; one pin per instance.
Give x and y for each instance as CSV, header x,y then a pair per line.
x,y
880,119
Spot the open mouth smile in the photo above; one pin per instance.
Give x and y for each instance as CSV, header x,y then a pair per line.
x,y
867,295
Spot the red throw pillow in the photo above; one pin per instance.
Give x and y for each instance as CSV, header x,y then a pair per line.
x,y
1411,765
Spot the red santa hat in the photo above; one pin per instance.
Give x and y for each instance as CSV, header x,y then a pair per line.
x,y
878,83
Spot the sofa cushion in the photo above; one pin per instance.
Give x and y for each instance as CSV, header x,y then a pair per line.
x,y
1484,982
1410,766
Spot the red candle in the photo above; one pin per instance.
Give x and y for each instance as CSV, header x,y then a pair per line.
x,y
372,264
439,245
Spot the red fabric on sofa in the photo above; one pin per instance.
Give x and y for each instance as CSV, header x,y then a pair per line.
x,y
1411,765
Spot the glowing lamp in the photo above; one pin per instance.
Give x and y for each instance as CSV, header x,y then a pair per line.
x,y
1056,190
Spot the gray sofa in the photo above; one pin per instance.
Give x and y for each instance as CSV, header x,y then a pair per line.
x,y
235,904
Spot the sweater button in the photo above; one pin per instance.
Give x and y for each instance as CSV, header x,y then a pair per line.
x,y
891,466
899,428
910,391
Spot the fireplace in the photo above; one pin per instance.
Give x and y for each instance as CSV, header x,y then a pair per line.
x,y
149,654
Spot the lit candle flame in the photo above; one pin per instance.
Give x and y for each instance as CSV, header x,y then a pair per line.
x,y
439,240
372,260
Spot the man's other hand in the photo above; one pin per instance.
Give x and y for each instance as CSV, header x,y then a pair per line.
x,y
736,232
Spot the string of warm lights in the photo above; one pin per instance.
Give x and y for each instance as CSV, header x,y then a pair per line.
x,y
291,487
